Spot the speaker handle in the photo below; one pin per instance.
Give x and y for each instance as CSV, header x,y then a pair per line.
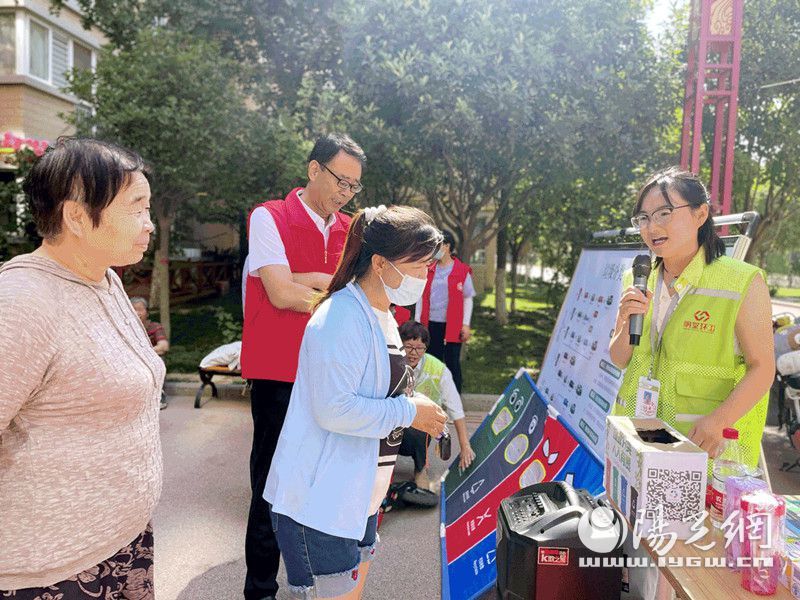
x,y
557,517
572,495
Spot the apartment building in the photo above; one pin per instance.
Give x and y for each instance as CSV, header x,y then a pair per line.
x,y
37,49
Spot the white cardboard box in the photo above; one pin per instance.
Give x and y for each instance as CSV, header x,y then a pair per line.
x,y
654,473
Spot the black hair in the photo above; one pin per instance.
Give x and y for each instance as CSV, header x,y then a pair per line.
x,y
689,187
397,232
449,238
413,330
84,169
330,145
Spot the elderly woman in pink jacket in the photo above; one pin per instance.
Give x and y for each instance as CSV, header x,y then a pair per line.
x,y
80,456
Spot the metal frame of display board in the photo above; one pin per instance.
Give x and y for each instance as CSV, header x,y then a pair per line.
x,y
741,243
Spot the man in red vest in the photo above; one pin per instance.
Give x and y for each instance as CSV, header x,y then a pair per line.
x,y
446,307
294,247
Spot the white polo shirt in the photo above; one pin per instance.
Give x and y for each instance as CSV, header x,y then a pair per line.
x,y
265,245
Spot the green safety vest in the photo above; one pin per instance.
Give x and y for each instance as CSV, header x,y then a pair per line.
x,y
429,382
696,364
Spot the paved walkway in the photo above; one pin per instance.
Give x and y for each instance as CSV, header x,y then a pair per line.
x,y
779,306
200,522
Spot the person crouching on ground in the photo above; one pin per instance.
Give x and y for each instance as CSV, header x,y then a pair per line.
x,y
349,406
433,379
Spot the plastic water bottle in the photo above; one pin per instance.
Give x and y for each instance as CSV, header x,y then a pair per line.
x,y
727,464
735,488
765,518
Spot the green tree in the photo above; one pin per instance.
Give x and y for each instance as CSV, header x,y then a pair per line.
x,y
230,23
767,166
484,96
17,231
283,43
174,99
521,230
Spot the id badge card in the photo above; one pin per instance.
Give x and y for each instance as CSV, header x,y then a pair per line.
x,y
647,397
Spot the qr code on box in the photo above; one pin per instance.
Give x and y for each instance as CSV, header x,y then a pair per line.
x,y
677,491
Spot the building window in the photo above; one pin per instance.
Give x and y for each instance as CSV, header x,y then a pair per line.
x,y
8,58
39,65
81,56
60,59
52,54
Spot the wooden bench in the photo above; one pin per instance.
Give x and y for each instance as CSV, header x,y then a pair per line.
x,y
206,376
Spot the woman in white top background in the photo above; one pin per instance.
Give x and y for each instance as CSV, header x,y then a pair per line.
x,y
446,307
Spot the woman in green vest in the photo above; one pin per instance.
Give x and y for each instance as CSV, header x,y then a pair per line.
x,y
434,380
706,354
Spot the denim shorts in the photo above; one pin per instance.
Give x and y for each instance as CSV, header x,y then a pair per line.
x,y
319,565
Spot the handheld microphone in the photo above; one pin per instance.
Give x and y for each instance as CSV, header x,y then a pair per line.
x,y
641,271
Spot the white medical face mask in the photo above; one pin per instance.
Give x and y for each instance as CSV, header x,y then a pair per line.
x,y
439,254
408,292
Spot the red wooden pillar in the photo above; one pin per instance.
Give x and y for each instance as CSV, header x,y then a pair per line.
x,y
712,79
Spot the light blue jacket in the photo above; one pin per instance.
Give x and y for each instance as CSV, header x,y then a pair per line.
x,y
326,461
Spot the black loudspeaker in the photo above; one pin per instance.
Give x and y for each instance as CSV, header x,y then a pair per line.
x,y
542,554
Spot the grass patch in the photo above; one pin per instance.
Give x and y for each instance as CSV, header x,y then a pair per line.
x,y
199,327
529,299
788,293
495,353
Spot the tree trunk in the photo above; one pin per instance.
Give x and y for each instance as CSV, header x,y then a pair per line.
x,y
514,279
161,271
466,248
501,314
153,297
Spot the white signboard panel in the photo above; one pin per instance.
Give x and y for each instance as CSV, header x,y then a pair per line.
x,y
577,376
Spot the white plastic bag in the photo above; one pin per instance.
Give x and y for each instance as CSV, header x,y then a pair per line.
x,y
789,363
228,355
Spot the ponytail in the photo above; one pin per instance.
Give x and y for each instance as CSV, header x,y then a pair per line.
x,y
352,262
709,240
397,232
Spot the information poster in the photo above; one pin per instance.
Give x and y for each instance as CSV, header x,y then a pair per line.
x,y
577,375
522,441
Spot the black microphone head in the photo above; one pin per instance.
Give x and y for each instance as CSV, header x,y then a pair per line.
x,y
642,266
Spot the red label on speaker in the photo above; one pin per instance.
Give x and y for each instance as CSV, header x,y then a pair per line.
x,y
554,556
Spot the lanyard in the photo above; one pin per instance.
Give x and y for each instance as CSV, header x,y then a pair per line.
x,y
656,336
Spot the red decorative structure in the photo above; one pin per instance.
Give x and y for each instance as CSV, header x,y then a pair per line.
x,y
712,79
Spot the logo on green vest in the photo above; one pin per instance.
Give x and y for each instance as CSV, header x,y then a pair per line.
x,y
700,323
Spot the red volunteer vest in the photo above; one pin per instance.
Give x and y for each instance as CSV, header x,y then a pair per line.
x,y
401,315
455,300
270,336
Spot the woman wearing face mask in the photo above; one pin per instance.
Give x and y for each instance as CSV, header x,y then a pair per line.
x,y
707,344
446,307
349,405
